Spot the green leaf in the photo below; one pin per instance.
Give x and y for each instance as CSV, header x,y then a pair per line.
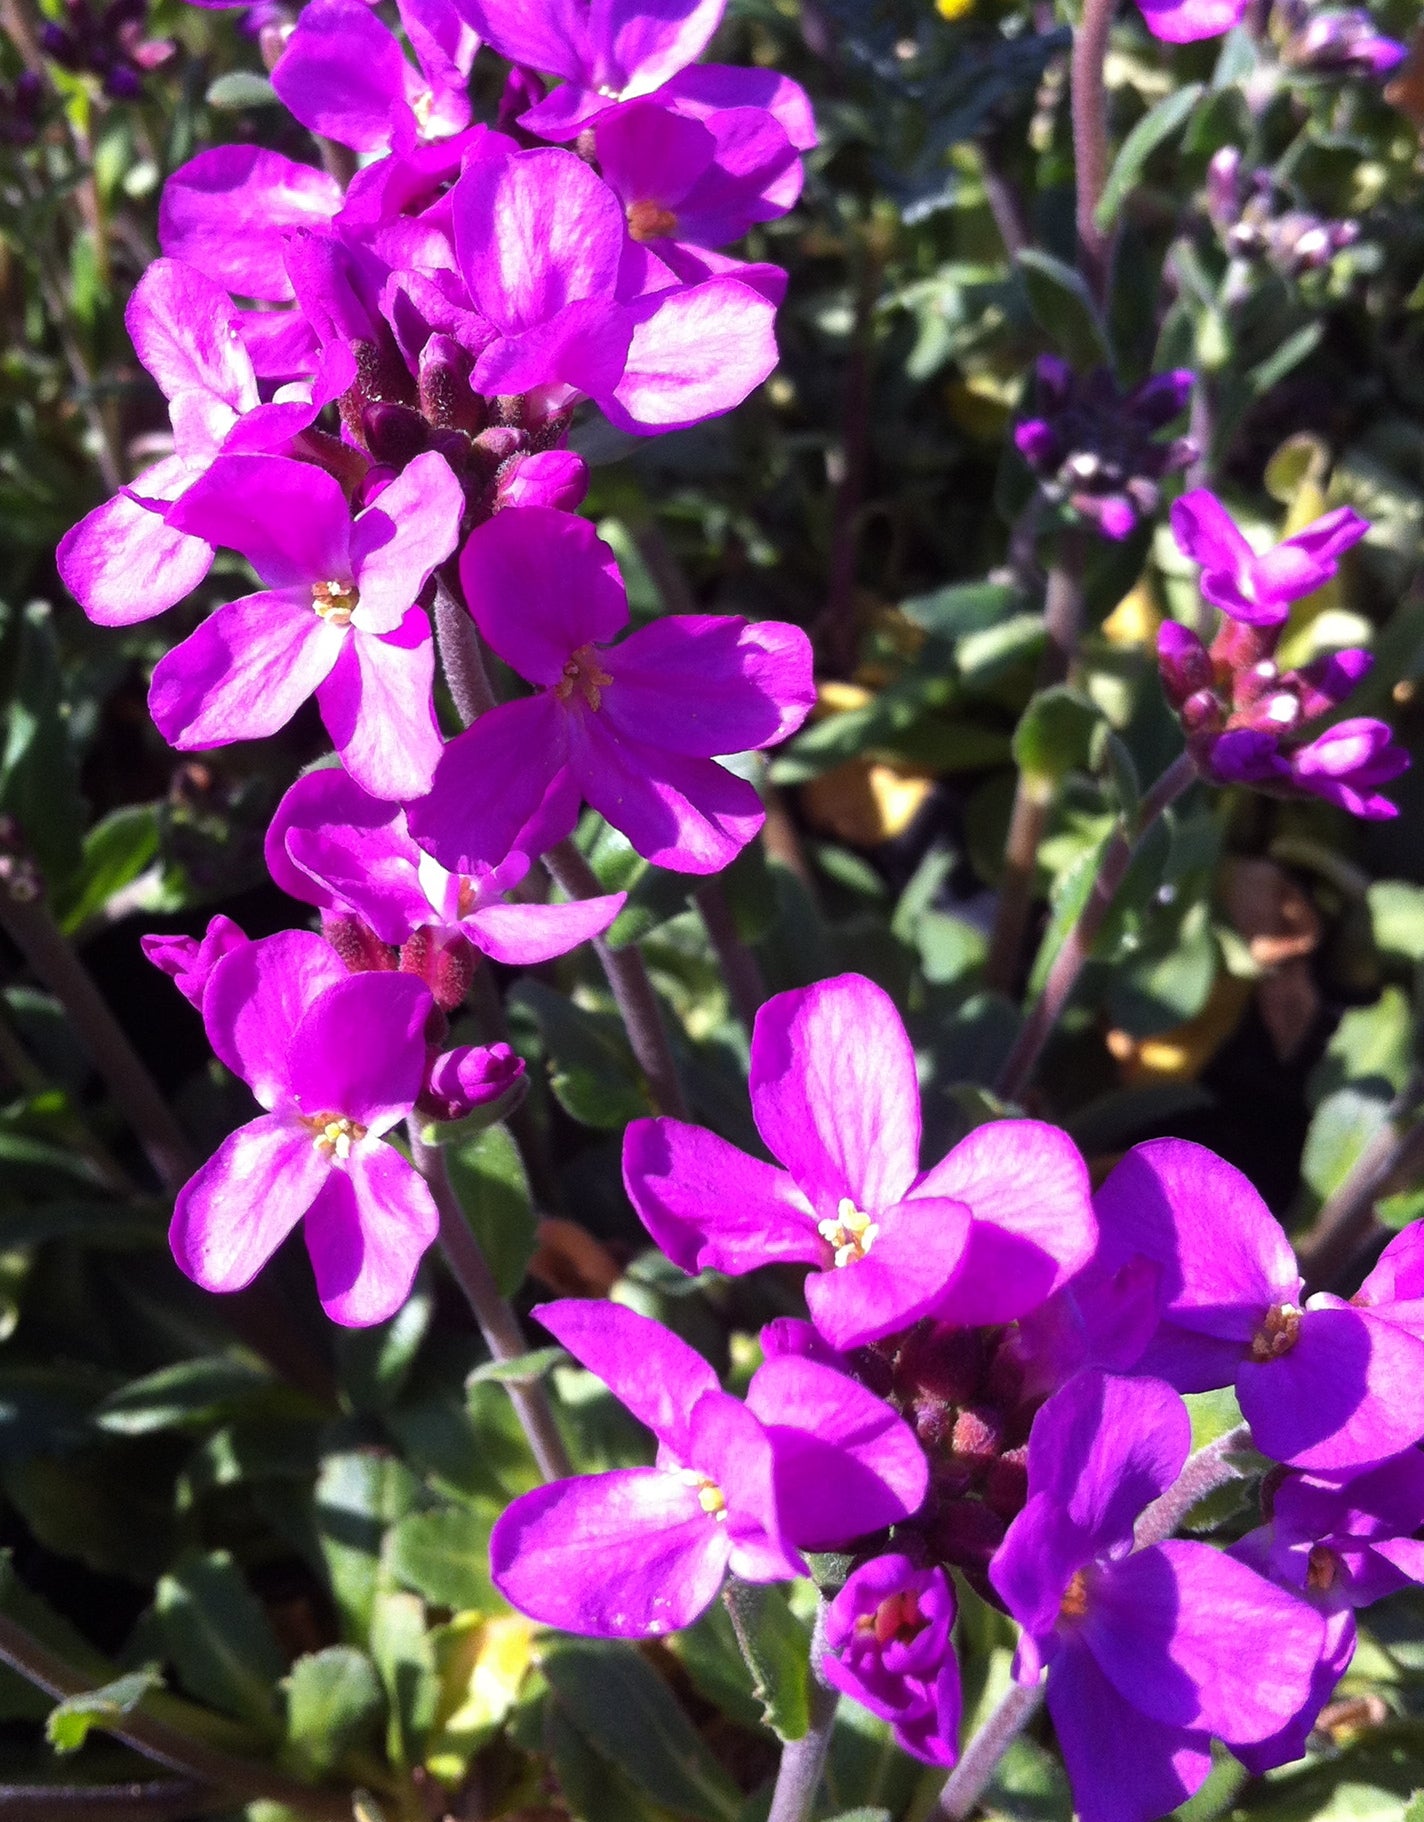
x,y
1292,351
1415,1811
627,1713
334,1702
1342,1126
1397,917
444,1555
1063,307
405,1657
218,1637
523,1369
1154,129
188,1394
1069,894
359,1496
39,776
862,1815
242,89
1372,1049
67,1726
591,1069
116,851
1055,733
490,1181
776,1647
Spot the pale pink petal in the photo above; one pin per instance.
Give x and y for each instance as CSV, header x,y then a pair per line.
x,y
540,583
123,564
379,710
254,1001
694,354
289,519
398,541
367,1233
226,211
706,684
359,1051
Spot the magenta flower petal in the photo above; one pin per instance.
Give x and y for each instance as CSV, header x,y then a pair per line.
x,y
244,672
901,1277
710,1207
289,519
337,1066
550,35
689,815
123,563
232,1216
695,354
226,212
827,1431
189,961
396,543
629,1554
333,845
705,684
648,153
637,47
183,328
343,75
1102,1448
490,780
533,233
1186,1606
521,935
1027,1187
367,1232
710,89
254,1002
1121,1764
1348,1393
644,1365
379,710
834,1092
1206,531
1185,21
541,583
726,1443
1398,1275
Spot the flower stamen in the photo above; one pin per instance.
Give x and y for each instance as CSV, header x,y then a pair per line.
x,y
851,1233
584,673
1278,1334
335,602
334,1134
710,1496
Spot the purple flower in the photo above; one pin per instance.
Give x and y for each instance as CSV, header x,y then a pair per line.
x,y
1259,590
1324,1384
810,1461
469,1077
189,961
1143,1648
123,562
344,75
1338,41
891,1647
981,1237
633,729
558,309
705,182
607,51
335,1061
336,616
1348,763
331,844
1185,21
109,44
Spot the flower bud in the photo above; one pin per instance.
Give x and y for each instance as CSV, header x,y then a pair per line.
x,y
469,1077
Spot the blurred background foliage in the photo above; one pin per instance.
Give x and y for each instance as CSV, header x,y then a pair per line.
x,y
289,1565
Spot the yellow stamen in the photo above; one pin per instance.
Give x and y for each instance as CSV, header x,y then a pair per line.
x,y
584,673
1278,1334
334,1134
851,1233
650,221
335,601
710,1496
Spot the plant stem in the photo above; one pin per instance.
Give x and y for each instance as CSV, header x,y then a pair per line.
x,y
498,1323
164,1743
799,1775
1090,140
740,967
1033,798
1077,946
460,656
156,1800
1347,1216
1203,1473
980,1758
628,978
26,919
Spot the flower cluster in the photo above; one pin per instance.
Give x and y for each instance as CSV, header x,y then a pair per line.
x,y
1096,449
1255,222
1245,719
1026,1345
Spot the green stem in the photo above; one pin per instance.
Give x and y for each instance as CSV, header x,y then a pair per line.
x,y
1090,141
798,1777
980,1758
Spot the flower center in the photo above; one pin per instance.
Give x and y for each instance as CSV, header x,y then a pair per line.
x,y
851,1233
467,896
1278,1334
335,601
1321,1568
584,673
1075,1597
710,1496
650,221
334,1135
897,1617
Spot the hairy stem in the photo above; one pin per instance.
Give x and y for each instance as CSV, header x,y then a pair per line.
x,y
632,989
799,1775
460,656
1090,141
1203,1473
980,1758
498,1323
164,1743
1077,946
142,1800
